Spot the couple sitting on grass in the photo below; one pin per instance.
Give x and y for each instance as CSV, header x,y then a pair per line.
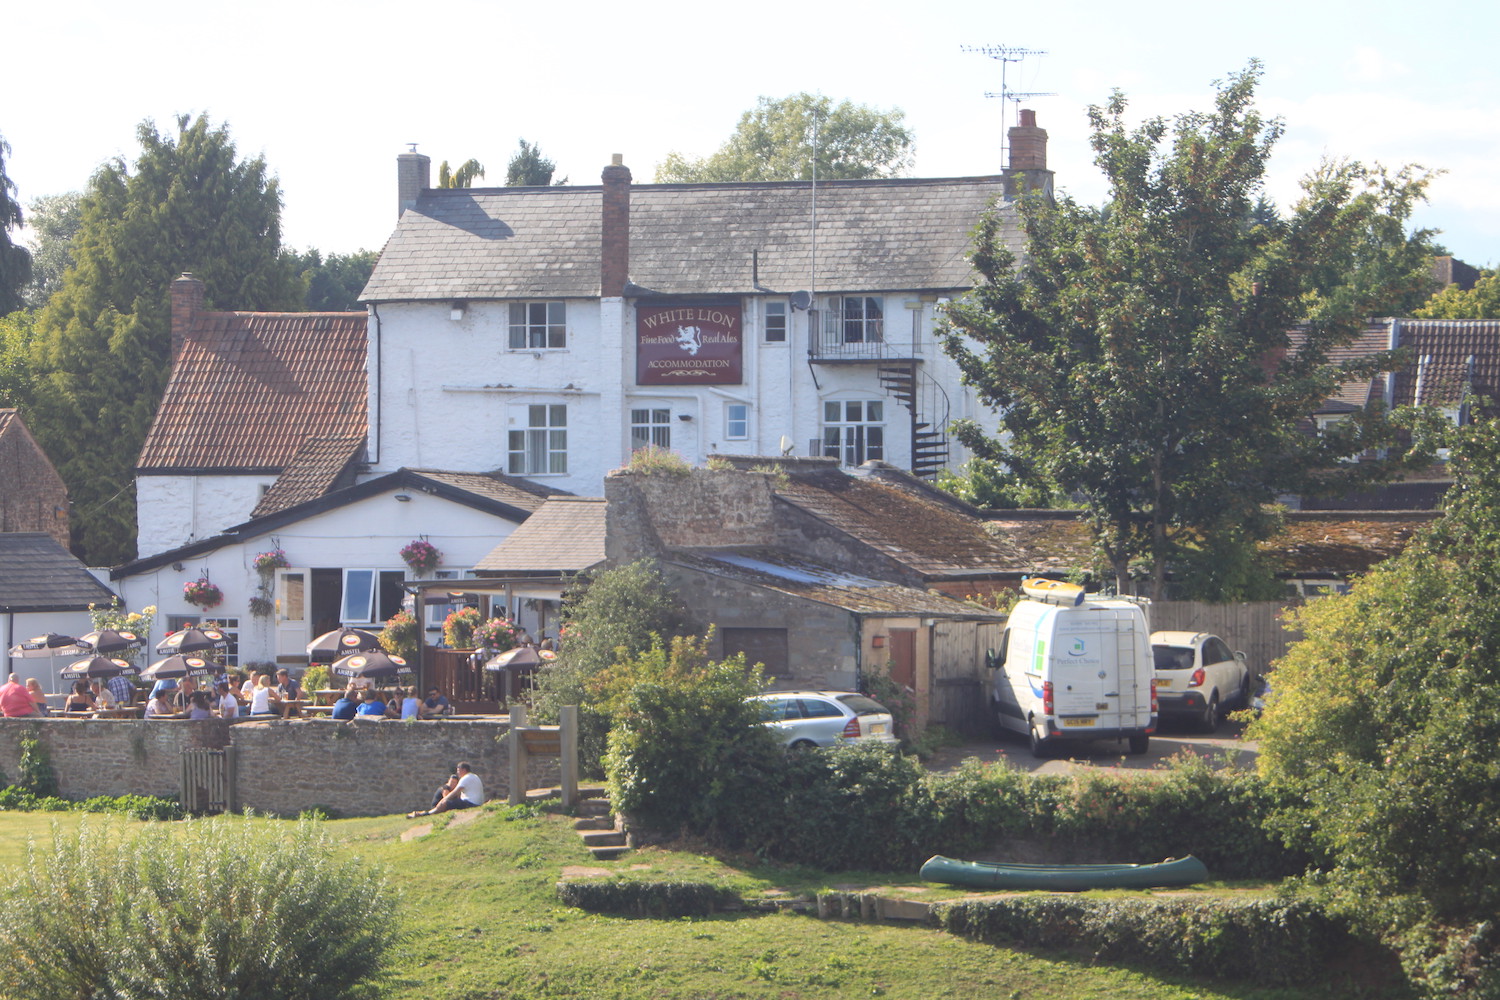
x,y
462,790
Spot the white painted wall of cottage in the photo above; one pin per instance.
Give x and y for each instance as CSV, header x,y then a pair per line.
x,y
368,534
444,391
175,510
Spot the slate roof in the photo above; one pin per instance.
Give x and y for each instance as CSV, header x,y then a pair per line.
x,y
1440,372
563,535
931,536
688,239
316,469
786,574
38,574
250,388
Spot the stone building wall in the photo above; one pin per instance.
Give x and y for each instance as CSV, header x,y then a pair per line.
x,y
281,767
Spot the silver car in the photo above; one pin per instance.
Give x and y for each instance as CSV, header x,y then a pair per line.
x,y
826,718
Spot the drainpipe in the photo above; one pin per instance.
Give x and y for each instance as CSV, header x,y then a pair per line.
x,y
372,433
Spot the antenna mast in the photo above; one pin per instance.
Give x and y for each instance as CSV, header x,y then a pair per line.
x,y
1005,54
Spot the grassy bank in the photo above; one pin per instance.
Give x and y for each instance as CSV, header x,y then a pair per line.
x,y
484,922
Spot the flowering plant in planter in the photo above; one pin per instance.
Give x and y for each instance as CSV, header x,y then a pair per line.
x,y
458,628
497,634
261,607
421,555
202,593
401,635
266,563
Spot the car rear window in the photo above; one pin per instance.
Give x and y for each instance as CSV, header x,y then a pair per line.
x,y
1173,657
860,705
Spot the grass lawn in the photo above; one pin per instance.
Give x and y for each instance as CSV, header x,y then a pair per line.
x,y
484,922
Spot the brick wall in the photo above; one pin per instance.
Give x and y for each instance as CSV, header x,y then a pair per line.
x,y
32,494
354,769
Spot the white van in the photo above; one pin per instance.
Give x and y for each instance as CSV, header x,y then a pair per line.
x,y
1071,667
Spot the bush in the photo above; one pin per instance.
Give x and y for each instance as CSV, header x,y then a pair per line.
x,y
648,899
165,914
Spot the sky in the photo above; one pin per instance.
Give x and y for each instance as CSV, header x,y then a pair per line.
x,y
329,94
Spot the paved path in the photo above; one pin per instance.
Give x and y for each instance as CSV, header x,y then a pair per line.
x,y
1174,738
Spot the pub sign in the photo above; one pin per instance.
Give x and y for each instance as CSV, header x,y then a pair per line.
x,y
685,344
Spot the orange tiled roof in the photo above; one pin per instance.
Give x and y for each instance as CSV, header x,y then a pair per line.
x,y
250,388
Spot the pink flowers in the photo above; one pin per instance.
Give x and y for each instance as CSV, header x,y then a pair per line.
x,y
202,593
421,555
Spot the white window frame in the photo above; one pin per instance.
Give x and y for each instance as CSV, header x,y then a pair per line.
x,y
650,426
539,445
736,425
848,319
854,437
776,321
538,326
364,594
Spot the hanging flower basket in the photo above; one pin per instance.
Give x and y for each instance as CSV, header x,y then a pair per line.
x,y
421,555
261,607
202,593
266,563
458,628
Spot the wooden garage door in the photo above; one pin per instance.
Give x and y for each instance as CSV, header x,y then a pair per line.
x,y
760,645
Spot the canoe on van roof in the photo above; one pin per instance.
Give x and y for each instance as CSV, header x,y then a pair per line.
x,y
1064,878
1053,591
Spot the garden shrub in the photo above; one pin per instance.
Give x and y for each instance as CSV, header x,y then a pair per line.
x,y
648,899
215,908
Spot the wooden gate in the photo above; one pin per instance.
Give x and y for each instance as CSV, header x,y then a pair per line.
x,y
959,694
208,781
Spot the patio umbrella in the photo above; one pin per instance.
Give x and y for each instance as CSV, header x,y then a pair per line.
x,y
193,640
521,656
342,642
98,666
105,641
370,664
49,645
179,665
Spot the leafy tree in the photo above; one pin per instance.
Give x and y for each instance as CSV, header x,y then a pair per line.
x,y
333,284
529,168
103,341
15,261
17,331
55,221
462,177
1140,354
776,141
1480,302
991,485
1386,716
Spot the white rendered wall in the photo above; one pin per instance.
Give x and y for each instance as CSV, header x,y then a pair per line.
x,y
174,510
364,535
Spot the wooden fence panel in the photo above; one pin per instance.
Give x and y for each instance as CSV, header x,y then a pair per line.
x,y
1255,628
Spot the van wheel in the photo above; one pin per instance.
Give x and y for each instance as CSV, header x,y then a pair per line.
x,y
1140,744
1209,721
1040,745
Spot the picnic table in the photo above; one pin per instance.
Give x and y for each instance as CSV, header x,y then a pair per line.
x,y
121,712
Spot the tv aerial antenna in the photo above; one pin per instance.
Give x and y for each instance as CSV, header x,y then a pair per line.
x,y
1005,55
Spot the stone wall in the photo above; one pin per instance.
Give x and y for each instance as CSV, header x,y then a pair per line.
x,y
363,768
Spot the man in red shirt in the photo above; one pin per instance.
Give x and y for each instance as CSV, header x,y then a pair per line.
x,y
15,700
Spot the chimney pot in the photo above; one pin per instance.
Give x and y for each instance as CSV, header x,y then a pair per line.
x,y
413,176
614,229
187,300
1028,157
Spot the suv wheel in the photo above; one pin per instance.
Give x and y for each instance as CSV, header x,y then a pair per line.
x,y
1209,721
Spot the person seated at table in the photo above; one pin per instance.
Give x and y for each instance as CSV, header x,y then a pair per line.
x,y
80,699
263,696
371,705
14,701
287,686
38,696
468,793
102,697
436,706
121,688
229,705
247,687
160,706
182,698
200,709
411,705
392,701
167,684
347,705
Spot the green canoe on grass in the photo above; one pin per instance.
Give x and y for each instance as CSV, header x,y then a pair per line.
x,y
1063,878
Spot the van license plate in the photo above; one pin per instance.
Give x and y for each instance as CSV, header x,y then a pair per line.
x,y
1078,722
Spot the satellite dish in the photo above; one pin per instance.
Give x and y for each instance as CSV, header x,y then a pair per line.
x,y
801,300
786,445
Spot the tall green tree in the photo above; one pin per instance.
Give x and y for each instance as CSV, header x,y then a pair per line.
x,y
103,341
333,283
529,168
1139,354
54,223
778,139
462,176
15,261
1480,302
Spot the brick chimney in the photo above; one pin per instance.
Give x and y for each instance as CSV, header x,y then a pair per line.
x,y
614,230
413,176
187,301
1028,157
